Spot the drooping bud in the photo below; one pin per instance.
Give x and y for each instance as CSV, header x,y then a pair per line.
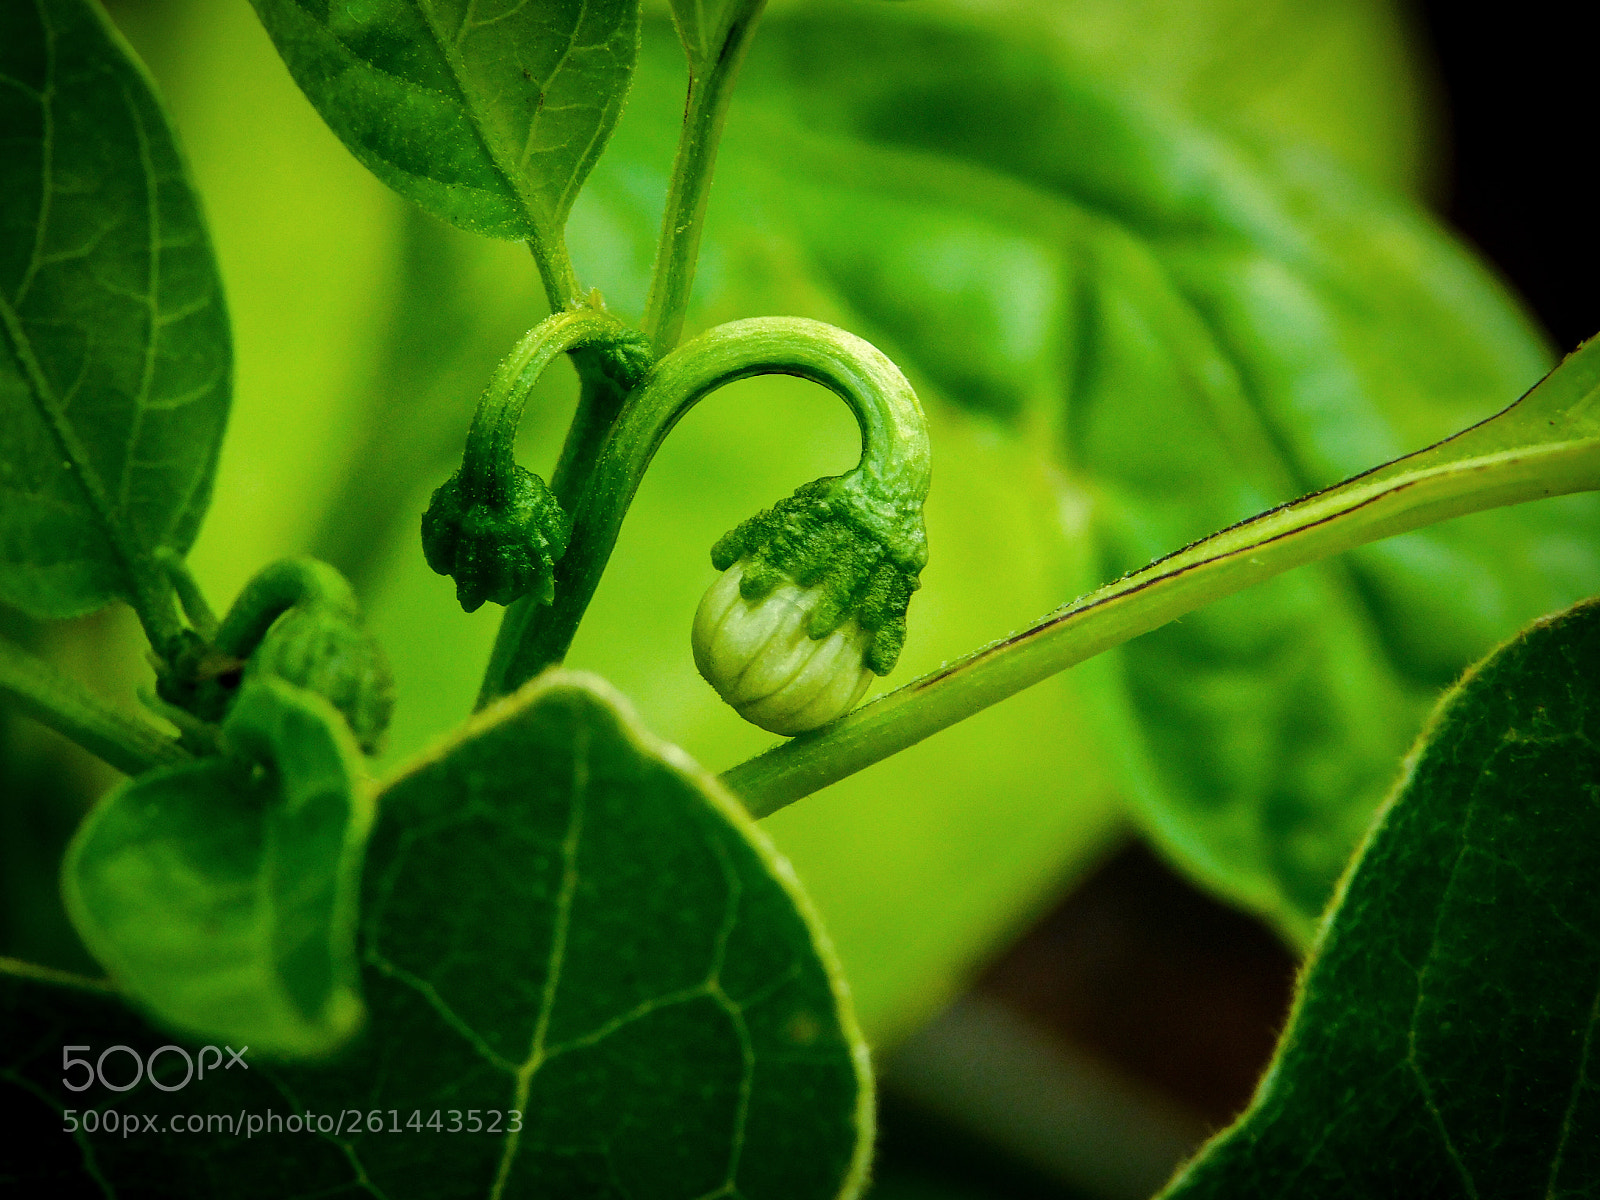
x,y
498,545
811,604
762,659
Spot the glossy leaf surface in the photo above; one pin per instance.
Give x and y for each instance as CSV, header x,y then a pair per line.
x,y
1443,1041
221,895
114,351
489,116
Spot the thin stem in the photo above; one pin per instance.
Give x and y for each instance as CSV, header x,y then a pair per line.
x,y
555,271
533,638
18,968
193,601
603,389
711,82
65,705
1547,444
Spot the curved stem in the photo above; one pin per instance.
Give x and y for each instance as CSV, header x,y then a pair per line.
x,y
710,88
65,705
491,441
894,458
272,592
1547,444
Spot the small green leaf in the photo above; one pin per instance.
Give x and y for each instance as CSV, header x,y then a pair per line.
x,y
569,920
220,895
490,116
114,351
1443,1041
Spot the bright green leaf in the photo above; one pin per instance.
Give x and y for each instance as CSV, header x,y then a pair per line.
x,y
565,918
1443,1041
114,352
221,895
490,116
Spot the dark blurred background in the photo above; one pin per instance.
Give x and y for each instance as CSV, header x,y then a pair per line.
x,y
1519,89
1142,992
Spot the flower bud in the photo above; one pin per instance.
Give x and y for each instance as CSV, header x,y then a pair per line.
x,y
763,660
325,650
496,548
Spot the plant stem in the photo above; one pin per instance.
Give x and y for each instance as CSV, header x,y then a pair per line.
x,y
555,272
17,968
1547,444
601,395
491,441
711,82
190,597
271,592
533,638
66,706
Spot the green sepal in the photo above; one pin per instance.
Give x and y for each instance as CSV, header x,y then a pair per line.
x,y
222,895
327,651
823,537
498,548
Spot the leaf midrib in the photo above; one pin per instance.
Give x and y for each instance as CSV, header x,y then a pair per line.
x,y
470,104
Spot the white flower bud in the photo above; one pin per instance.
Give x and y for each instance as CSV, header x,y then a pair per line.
x,y
762,660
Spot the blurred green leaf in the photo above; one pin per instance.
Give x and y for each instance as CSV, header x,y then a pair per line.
x,y
1442,1043
221,895
115,368
488,118
1201,328
1347,77
566,918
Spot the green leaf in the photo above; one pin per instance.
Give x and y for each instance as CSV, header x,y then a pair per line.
x,y
114,351
221,895
1197,327
566,918
488,116
1443,1040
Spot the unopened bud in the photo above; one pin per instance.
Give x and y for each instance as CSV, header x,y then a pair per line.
x,y
762,659
498,544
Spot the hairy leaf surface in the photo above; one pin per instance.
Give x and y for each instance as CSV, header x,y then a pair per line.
x,y
221,895
569,920
114,350
488,115
1443,1042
